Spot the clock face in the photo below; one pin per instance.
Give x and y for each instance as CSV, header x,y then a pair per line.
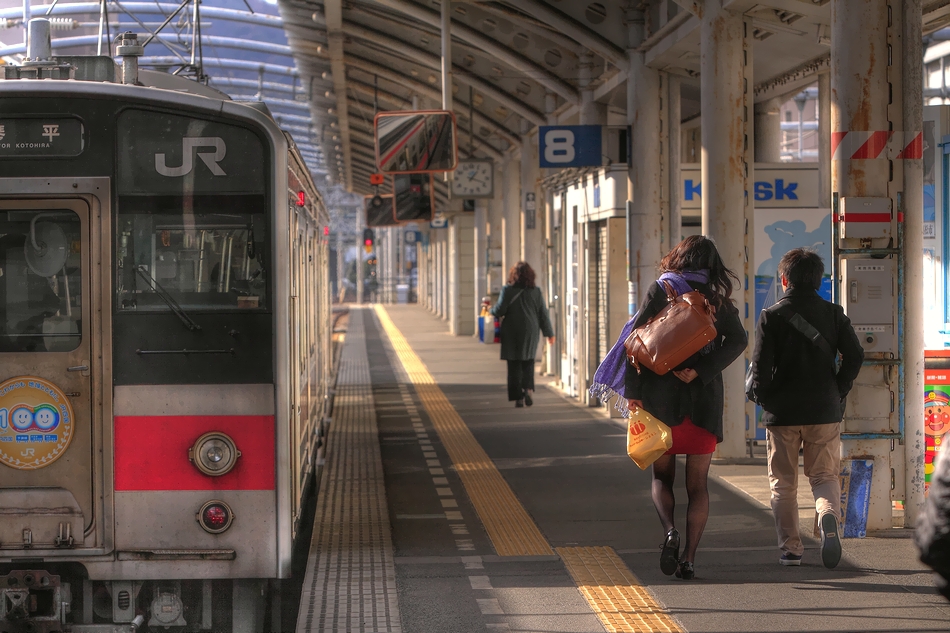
x,y
474,179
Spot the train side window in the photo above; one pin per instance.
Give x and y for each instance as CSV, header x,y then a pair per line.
x,y
40,281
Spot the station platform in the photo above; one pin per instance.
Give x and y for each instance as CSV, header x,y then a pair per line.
x,y
443,508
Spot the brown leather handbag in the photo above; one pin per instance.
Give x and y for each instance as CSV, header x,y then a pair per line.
x,y
682,328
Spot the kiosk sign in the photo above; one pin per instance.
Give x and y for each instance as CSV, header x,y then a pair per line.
x,y
36,423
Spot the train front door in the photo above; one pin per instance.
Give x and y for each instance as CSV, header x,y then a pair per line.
x,y
51,368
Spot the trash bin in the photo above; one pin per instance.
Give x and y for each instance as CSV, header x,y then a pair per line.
x,y
402,293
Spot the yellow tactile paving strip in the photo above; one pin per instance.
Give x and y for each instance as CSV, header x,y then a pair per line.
x,y
617,597
509,526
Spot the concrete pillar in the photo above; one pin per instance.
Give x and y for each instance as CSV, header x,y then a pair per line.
x,y
446,283
824,141
643,115
532,211
724,180
511,219
674,228
461,238
768,131
913,290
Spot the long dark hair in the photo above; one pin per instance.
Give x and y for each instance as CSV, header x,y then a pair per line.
x,y
521,274
698,252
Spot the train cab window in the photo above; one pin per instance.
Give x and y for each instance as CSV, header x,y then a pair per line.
x,y
40,280
202,252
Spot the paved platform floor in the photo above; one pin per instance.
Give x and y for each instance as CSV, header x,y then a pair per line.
x,y
566,466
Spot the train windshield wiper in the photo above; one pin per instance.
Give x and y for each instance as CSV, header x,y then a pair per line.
x,y
168,299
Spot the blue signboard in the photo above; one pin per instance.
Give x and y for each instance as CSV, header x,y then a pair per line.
x,y
570,145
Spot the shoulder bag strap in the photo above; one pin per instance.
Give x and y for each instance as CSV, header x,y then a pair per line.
x,y
668,288
799,323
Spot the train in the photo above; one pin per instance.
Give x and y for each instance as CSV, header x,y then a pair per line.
x,y
165,348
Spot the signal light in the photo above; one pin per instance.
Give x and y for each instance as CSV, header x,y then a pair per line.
x,y
368,238
215,516
301,199
326,230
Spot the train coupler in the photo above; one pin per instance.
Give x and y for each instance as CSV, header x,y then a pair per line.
x,y
33,601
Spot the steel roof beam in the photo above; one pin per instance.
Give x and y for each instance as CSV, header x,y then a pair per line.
x,y
389,74
490,46
81,8
575,30
213,40
483,144
534,25
273,86
434,62
333,10
232,64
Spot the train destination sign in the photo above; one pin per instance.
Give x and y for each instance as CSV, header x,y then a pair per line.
x,y
24,137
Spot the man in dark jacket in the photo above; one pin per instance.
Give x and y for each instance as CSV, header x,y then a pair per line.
x,y
933,531
802,391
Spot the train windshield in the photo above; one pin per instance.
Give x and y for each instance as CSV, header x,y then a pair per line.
x,y
209,255
192,215
40,280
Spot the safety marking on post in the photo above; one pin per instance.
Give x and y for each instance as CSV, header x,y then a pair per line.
x,y
880,144
509,526
622,603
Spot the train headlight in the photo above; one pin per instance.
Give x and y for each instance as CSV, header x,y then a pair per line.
x,y
214,454
215,516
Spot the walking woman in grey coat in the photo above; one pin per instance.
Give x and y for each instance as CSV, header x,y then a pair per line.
x,y
525,316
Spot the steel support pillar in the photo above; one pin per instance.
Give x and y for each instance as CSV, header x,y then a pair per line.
x,y
876,86
532,218
480,255
768,131
590,112
645,214
360,214
725,171
674,228
824,142
913,291
511,219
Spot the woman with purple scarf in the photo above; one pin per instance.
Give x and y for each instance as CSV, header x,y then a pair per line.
x,y
689,399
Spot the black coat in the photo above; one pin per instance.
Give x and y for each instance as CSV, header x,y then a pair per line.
x,y
794,381
933,531
668,398
525,316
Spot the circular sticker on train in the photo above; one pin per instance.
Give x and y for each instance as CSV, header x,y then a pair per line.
x,y
36,423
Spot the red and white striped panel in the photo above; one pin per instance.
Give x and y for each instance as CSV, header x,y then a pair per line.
x,y
885,144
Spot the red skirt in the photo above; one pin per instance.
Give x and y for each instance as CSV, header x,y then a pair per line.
x,y
689,439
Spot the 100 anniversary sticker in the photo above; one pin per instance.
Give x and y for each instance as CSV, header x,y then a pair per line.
x,y
36,423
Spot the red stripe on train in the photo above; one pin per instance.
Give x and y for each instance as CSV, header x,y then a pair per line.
x,y
151,452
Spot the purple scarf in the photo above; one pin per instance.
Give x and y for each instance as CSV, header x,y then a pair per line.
x,y
609,378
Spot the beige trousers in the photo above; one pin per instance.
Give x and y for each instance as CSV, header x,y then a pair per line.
x,y
822,451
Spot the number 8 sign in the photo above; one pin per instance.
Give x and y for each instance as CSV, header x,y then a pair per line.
x,y
570,146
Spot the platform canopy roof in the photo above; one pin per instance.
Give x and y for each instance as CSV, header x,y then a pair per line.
x,y
325,67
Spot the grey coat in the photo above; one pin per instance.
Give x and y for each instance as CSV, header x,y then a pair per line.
x,y
525,316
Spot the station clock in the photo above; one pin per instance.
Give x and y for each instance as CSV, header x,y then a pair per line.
x,y
474,179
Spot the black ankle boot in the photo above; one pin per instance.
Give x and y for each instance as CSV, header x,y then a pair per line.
x,y
670,552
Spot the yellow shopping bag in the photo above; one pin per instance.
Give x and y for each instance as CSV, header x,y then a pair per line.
x,y
647,438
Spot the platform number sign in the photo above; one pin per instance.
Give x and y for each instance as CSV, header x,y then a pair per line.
x,y
570,146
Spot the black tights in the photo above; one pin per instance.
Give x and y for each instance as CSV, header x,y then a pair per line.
x,y
697,471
